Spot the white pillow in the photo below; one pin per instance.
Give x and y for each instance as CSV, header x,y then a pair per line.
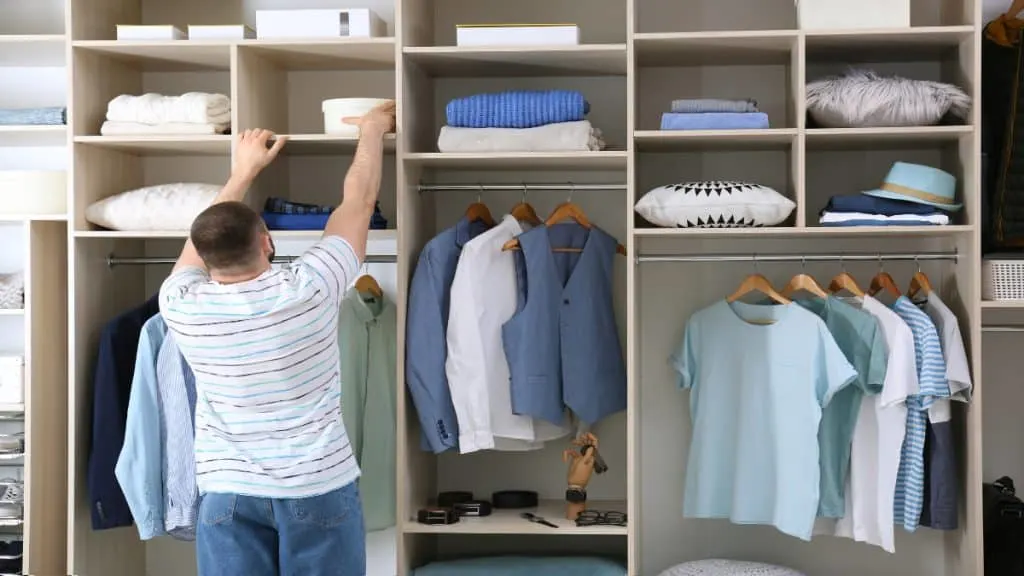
x,y
170,207
718,567
714,204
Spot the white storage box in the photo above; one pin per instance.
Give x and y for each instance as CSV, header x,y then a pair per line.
x,y
850,15
336,109
12,379
1002,278
158,32
517,35
33,192
227,32
355,23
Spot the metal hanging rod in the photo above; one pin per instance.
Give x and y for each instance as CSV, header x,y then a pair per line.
x,y
883,257
1000,328
113,260
559,187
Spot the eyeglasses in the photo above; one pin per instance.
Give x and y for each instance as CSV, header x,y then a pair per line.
x,y
601,518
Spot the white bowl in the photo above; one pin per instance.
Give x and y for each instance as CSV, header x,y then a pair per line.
x,y
337,108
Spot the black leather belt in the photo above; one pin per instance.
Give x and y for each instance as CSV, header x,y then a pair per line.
x,y
435,516
514,499
473,508
450,499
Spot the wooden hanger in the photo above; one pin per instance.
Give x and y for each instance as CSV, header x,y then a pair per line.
x,y
805,282
883,281
919,282
523,212
564,211
477,211
756,282
367,284
843,281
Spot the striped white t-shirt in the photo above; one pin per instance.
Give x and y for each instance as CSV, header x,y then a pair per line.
x,y
265,356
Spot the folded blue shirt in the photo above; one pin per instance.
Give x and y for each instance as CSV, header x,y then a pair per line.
x,y
882,206
714,121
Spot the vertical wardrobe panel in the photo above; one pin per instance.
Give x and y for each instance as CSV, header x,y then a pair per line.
x,y
630,343
46,400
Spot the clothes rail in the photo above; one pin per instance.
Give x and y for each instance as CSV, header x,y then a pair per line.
x,y
820,257
531,187
1000,328
113,260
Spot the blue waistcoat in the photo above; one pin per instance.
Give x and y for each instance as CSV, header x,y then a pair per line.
x,y
562,344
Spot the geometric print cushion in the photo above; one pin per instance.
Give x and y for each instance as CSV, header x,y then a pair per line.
x,y
718,567
714,204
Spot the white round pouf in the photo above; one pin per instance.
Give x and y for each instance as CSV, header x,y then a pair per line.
x,y
718,567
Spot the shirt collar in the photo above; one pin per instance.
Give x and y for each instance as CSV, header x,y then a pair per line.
x,y
466,231
367,307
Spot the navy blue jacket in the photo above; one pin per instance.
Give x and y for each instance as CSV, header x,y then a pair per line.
x,y
112,385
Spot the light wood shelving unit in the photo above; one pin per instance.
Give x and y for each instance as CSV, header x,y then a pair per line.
x,y
636,56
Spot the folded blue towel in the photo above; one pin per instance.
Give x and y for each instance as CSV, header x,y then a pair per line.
x,y
714,121
312,221
54,116
282,206
872,205
517,109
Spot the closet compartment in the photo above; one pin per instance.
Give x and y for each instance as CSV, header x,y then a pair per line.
x,y
726,16
432,23
444,547
839,164
663,417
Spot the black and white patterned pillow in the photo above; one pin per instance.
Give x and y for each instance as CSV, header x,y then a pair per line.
x,y
718,567
714,204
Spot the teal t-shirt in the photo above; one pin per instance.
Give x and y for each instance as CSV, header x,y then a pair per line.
x,y
758,378
858,336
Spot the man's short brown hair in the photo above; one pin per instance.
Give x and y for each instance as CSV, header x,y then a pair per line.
x,y
227,235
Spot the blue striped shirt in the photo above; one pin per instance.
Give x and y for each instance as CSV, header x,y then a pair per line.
x,y
265,355
931,376
176,386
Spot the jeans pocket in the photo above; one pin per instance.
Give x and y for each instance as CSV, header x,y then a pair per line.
x,y
327,510
217,509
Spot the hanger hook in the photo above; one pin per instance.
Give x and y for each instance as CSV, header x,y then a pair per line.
x,y
881,267
754,258
524,193
803,263
479,193
918,262
842,264
572,188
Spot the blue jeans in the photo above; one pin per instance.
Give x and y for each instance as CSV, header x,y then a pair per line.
x,y
248,536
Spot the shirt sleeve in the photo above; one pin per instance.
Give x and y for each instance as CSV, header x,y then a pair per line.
x,y
878,360
900,372
684,360
932,368
178,286
331,264
834,370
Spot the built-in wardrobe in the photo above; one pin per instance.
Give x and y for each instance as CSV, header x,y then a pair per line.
x,y
635,57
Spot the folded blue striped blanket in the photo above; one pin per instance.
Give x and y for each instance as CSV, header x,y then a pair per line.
x,y
52,116
517,109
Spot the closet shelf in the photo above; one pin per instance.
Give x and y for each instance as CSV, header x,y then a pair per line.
x,y
375,235
839,138
162,56
706,140
162,145
316,144
904,44
5,218
604,160
32,49
715,48
12,408
509,522
33,135
336,54
802,232
1002,304
12,312
581,60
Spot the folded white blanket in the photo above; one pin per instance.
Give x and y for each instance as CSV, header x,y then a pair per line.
x,y
110,128
191,107
836,217
560,137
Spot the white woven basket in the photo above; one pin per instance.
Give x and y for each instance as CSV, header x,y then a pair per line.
x,y
1003,279
12,291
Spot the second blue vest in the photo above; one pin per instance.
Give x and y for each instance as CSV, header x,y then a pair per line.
x,y
562,344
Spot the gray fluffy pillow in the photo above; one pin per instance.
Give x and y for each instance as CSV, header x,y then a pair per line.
x,y
862,99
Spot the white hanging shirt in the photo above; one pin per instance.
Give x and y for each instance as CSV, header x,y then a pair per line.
x,y
878,438
483,297
958,370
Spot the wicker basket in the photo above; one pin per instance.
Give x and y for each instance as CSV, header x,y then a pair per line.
x,y
1003,278
12,291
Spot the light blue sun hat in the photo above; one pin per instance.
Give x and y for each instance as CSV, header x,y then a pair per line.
x,y
920,184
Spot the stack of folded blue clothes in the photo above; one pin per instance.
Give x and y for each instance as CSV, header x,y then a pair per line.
x,y
910,195
714,114
280,214
50,116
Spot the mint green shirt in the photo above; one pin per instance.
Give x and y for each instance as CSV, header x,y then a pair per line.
x,y
366,337
861,341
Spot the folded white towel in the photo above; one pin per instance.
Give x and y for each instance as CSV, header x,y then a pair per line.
x,y
191,107
110,128
837,217
560,137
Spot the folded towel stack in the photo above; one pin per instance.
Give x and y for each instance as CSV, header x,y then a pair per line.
x,y
280,214
52,116
865,210
714,114
519,121
191,113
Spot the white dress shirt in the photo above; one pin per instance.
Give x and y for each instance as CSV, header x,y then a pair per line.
x,y
483,297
